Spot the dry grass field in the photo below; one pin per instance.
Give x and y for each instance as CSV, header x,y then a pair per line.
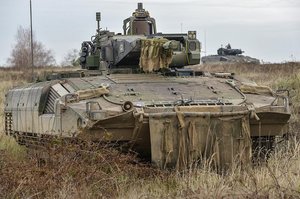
x,y
106,173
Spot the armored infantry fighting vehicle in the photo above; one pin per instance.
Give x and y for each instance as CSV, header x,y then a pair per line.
x,y
229,51
229,55
134,89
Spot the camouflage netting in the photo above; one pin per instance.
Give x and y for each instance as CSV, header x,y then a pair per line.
x,y
181,141
91,93
155,54
256,89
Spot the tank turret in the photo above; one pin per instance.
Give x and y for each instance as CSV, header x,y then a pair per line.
x,y
140,48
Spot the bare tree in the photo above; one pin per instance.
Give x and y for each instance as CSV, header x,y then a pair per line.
x,y
21,52
71,58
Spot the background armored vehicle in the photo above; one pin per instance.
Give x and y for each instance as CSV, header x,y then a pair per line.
x,y
229,51
229,55
174,115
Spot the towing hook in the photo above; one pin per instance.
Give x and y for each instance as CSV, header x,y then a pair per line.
x,y
127,106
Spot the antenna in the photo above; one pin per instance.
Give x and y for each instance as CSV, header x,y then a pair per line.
x,y
31,42
203,48
205,42
181,27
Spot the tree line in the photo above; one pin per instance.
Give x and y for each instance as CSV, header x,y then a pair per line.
x,y
20,56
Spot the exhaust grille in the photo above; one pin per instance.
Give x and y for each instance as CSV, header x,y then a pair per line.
x,y
52,96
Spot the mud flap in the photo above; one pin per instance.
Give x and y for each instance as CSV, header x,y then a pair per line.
x,y
181,142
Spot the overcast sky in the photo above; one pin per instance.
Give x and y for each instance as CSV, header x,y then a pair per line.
x,y
266,29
